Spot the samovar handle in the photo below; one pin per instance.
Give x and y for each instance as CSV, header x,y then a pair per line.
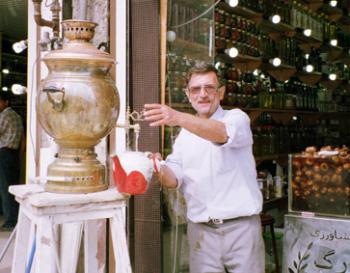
x,y
57,103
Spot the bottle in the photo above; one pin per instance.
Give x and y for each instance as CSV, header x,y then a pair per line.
x,y
270,187
278,187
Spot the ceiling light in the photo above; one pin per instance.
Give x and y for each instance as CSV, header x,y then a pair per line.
x,y
275,18
307,32
332,76
276,61
232,3
18,89
333,3
309,68
256,72
6,71
18,47
171,36
333,42
4,88
218,65
232,52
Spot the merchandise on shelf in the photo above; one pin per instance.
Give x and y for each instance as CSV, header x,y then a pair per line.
x,y
319,181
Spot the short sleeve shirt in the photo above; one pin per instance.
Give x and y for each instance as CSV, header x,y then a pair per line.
x,y
218,181
11,129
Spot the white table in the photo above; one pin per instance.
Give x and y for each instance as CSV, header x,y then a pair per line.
x,y
58,222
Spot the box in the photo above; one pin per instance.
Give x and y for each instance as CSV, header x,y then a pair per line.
x,y
316,244
319,184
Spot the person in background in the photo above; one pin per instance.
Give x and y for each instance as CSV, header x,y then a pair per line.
x,y
11,130
213,165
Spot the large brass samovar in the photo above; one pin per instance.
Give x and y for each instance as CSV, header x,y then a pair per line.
x,y
77,104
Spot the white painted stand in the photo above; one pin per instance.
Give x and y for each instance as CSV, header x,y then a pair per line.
x,y
59,220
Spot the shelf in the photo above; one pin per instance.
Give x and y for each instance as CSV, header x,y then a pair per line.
x,y
277,157
276,31
195,50
309,78
242,11
346,85
331,85
344,58
244,63
334,14
314,5
14,56
334,52
280,73
307,43
344,24
279,203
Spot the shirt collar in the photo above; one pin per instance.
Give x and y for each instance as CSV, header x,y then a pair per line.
x,y
218,113
6,109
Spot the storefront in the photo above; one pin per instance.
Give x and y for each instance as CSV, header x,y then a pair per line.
x,y
285,64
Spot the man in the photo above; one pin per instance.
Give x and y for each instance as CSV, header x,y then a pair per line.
x,y
213,165
11,130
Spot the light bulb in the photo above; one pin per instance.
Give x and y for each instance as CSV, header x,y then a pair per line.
x,y
171,36
232,52
333,3
218,65
332,76
276,61
18,47
232,3
333,42
4,88
307,32
307,56
6,71
18,89
262,76
275,18
256,72
309,68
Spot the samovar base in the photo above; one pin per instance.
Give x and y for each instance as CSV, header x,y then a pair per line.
x,y
76,174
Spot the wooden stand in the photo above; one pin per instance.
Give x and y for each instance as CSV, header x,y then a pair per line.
x,y
58,221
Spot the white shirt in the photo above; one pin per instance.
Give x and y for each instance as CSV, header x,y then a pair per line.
x,y
218,181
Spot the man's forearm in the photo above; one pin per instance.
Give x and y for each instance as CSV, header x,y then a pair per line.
x,y
167,177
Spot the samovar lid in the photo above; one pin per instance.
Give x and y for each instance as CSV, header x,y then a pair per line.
x,y
77,46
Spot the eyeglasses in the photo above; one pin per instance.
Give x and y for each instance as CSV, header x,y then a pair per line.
x,y
209,89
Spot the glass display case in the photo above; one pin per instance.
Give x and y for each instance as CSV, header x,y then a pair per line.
x,y
319,182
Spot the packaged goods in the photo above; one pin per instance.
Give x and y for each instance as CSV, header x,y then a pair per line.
x,y
319,181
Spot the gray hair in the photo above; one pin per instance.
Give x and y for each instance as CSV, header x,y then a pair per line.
x,y
202,68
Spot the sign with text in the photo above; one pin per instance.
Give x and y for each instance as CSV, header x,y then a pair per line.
x,y
316,245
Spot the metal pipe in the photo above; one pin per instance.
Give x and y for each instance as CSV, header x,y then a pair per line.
x,y
83,9
54,23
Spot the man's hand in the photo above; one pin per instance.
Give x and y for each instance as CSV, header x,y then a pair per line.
x,y
160,114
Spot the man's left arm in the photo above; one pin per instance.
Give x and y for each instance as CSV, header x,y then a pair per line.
x,y
208,129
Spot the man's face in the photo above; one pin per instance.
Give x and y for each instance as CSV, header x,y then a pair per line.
x,y
3,105
204,93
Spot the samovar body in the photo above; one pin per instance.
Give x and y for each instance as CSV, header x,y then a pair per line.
x,y
77,105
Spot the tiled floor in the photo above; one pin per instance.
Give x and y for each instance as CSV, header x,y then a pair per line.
x,y
5,263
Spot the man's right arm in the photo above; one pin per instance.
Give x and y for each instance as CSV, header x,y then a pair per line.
x,y
167,177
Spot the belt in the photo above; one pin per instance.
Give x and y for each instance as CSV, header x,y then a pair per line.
x,y
217,222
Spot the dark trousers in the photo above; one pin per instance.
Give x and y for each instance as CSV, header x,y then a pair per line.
x,y
9,175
